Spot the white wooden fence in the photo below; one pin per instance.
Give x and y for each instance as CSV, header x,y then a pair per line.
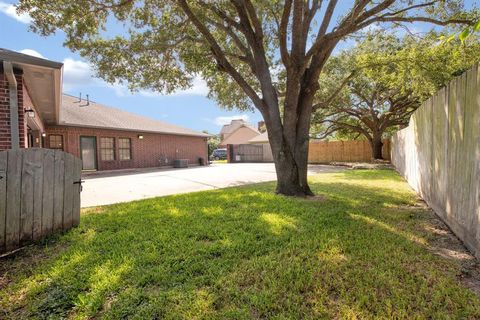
x,y
39,194
439,155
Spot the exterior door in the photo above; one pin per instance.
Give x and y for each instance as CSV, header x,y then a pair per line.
x,y
88,152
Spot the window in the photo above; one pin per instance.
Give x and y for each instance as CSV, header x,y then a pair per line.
x,y
55,141
124,149
107,149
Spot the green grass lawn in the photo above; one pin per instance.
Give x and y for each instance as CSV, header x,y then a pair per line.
x,y
245,253
220,161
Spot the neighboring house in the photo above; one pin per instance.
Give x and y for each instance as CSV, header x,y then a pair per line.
x,y
227,129
237,132
34,113
260,139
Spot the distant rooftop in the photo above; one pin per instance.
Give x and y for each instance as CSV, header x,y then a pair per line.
x,y
232,126
97,115
261,138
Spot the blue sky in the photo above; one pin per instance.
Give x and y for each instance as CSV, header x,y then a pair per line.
x,y
188,108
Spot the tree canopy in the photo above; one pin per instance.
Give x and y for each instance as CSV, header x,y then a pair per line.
x,y
239,47
383,80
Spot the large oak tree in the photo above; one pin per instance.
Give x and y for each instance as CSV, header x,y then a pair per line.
x,y
239,47
383,80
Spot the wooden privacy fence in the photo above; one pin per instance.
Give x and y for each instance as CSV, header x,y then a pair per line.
x,y
439,155
344,151
319,152
39,194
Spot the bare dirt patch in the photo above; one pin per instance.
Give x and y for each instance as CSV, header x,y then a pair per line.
x,y
444,243
378,164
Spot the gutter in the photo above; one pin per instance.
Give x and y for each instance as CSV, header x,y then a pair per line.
x,y
13,95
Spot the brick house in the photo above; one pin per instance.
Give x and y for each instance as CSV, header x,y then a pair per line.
x,y
35,113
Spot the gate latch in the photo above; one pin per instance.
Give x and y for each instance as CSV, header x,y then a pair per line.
x,y
80,183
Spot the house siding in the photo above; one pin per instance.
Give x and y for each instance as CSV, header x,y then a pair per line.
x,y
146,152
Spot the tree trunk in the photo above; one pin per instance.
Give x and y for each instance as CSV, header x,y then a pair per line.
x,y
291,161
292,171
377,146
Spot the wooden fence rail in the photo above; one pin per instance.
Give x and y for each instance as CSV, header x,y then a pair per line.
x,y
439,155
39,194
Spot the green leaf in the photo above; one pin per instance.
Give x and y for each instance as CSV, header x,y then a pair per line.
x,y
464,35
452,37
477,26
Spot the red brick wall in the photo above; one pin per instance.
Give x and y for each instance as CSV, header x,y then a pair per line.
x,y
4,114
5,136
146,152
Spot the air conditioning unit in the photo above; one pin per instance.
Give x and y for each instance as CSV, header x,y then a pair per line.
x,y
180,163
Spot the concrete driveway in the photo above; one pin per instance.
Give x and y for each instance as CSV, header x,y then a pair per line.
x,y
113,187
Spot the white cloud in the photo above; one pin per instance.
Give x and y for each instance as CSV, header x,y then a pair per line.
x,y
32,52
199,88
220,121
10,10
77,73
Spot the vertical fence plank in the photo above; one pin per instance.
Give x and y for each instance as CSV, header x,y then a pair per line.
x,y
472,134
68,192
38,194
14,174
3,197
76,193
47,204
27,189
58,184
477,150
459,161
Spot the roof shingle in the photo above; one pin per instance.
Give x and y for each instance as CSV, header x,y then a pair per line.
x,y
96,115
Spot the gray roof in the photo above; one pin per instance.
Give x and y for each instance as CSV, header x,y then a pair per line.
x,y
97,115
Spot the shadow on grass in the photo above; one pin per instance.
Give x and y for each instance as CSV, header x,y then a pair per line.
x,y
244,253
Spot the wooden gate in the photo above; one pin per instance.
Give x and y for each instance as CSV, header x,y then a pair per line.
x,y
246,153
39,194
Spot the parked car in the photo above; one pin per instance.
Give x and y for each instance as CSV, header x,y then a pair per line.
x,y
219,154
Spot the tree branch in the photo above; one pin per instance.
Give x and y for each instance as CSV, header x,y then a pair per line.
x,y
220,56
334,94
421,19
282,34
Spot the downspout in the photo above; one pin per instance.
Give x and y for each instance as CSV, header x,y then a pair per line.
x,y
13,95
